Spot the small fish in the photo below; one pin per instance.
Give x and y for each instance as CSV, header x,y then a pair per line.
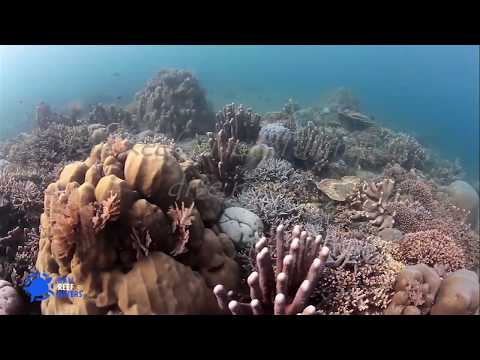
x,y
20,101
119,97
116,74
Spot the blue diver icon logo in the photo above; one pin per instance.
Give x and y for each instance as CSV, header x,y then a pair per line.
x,y
38,286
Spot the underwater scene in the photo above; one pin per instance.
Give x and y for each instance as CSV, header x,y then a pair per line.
x,y
239,180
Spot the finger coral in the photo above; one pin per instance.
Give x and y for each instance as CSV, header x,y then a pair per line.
x,y
283,285
458,294
238,122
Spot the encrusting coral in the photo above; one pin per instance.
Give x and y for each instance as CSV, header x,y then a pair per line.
x,y
282,287
154,261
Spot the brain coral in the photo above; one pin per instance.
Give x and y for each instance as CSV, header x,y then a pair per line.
x,y
117,237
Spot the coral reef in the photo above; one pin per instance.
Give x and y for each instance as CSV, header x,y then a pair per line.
x,y
223,161
238,122
353,120
430,247
11,303
458,294
106,115
342,99
279,137
126,265
173,103
421,290
44,149
372,200
45,117
406,151
281,285
415,290
359,275
315,148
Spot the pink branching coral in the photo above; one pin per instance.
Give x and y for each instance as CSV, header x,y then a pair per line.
x,y
181,220
283,286
409,216
109,210
431,247
358,278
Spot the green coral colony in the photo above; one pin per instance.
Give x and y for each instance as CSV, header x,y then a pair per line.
x,y
164,207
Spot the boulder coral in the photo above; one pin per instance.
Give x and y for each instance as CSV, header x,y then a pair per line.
x,y
132,266
422,290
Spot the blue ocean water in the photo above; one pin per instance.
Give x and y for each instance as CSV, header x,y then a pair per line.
x,y
431,92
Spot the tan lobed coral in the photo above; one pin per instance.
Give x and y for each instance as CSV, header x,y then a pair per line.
x,y
420,290
117,242
458,294
415,290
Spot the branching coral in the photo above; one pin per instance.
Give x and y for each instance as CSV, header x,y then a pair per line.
x,y
283,287
238,122
20,197
173,103
181,220
363,285
350,253
419,190
281,176
431,247
44,149
109,210
273,207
